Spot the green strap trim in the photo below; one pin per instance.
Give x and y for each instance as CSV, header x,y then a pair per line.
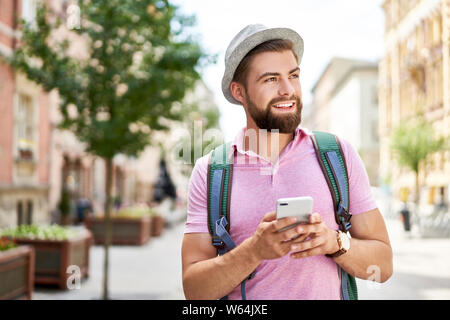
x,y
327,142
352,288
220,156
220,160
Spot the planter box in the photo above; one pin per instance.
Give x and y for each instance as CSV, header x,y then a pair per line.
x,y
17,273
125,231
157,225
53,257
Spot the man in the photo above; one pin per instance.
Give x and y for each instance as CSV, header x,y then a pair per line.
x,y
262,74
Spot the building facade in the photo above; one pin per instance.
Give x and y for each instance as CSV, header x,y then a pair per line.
x,y
415,78
38,161
25,131
345,102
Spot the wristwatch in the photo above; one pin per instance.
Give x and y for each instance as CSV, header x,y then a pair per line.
x,y
343,242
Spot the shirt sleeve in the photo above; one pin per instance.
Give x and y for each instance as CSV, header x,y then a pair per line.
x,y
197,209
361,197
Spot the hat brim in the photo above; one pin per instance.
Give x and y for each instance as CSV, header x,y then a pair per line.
x,y
251,42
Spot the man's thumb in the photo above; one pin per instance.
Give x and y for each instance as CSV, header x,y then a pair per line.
x,y
270,216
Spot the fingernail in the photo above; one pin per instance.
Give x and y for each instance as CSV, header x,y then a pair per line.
x,y
294,219
299,229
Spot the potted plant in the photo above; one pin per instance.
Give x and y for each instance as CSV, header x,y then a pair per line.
x,y
130,226
56,248
16,270
157,224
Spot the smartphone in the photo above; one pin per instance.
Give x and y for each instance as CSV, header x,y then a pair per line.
x,y
300,207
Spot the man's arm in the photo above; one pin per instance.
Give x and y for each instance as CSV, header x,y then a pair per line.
x,y
208,276
370,248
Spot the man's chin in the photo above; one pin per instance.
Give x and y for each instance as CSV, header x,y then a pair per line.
x,y
284,123
283,128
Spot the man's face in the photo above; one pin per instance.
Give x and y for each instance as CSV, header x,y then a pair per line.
x,y
273,94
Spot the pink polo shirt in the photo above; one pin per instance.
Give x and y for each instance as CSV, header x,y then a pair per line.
x,y
257,184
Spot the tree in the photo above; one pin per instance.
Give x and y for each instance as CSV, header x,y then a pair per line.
x,y
204,135
412,142
140,61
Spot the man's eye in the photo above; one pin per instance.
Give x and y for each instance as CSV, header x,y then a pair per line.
x,y
271,79
294,76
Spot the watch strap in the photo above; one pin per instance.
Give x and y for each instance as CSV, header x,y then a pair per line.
x,y
337,254
341,250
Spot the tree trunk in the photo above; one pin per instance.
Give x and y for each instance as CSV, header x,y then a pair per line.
x,y
107,229
417,200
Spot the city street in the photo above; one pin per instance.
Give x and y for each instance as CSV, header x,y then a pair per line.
x,y
106,107
153,271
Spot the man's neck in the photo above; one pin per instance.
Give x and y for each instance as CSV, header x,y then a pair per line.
x,y
266,144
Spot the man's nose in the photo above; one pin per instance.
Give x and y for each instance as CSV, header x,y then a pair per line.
x,y
285,88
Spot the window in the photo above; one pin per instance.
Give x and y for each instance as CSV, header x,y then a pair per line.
x,y
20,217
443,199
24,216
374,131
375,94
437,30
25,128
29,216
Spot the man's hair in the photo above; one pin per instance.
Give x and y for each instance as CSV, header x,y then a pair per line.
x,y
276,45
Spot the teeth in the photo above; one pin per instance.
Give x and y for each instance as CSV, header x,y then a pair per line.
x,y
284,105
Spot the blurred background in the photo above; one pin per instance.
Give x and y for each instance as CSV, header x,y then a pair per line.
x,y
374,72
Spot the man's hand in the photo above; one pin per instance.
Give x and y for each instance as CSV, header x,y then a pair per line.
x,y
322,240
268,242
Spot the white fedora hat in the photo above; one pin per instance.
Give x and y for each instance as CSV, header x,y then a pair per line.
x,y
247,39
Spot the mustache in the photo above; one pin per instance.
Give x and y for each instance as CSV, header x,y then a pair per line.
x,y
280,99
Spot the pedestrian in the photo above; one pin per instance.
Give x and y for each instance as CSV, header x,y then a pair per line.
x,y
262,74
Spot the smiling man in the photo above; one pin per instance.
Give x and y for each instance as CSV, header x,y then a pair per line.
x,y
262,74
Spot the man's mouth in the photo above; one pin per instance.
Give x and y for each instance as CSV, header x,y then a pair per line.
x,y
284,105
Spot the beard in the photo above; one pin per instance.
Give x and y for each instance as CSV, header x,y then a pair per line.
x,y
266,119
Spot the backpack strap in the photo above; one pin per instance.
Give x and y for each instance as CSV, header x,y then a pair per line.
x,y
219,180
219,176
332,162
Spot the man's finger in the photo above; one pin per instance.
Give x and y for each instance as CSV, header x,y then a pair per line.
x,y
307,253
289,234
270,216
301,238
315,218
309,228
284,222
307,245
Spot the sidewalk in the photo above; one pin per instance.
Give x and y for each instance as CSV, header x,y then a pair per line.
x,y
421,269
153,271
149,272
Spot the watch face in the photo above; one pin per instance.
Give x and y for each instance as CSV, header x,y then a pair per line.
x,y
345,240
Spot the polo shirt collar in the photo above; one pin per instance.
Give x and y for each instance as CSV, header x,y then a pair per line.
x,y
238,142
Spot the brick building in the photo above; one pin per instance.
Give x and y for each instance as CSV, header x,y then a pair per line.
x,y
25,130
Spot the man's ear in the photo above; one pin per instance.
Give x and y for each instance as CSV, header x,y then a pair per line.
x,y
238,91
